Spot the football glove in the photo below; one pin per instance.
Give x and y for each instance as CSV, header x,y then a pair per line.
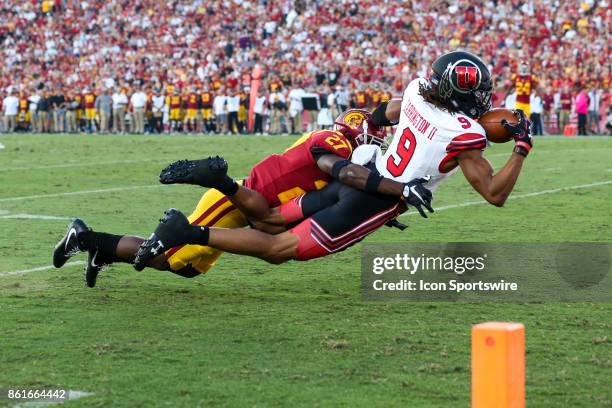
x,y
417,195
521,132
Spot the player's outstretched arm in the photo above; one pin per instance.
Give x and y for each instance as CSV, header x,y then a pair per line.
x,y
496,188
358,177
361,178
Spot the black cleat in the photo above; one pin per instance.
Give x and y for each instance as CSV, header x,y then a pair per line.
x,y
208,172
93,268
69,244
173,230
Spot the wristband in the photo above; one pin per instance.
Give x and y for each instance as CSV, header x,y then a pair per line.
x,y
339,165
373,181
522,148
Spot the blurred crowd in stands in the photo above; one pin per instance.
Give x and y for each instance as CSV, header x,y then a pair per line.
x,y
147,66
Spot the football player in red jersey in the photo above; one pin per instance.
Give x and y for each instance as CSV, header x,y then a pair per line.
x,y
306,166
360,98
192,104
524,83
207,97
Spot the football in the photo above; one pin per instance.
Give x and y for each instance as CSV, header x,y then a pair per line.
x,y
491,122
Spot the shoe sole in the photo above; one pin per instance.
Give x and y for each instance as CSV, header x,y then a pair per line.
x,y
178,172
181,172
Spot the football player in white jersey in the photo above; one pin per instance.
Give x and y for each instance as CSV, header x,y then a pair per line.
x,y
438,133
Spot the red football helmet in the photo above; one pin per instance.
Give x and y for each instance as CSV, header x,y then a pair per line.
x,y
356,125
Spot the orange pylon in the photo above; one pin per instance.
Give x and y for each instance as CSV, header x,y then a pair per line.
x,y
498,365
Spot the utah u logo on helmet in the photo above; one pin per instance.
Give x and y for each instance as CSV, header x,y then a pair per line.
x,y
464,76
467,77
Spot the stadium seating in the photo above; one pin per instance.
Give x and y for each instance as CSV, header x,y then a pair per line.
x,y
366,44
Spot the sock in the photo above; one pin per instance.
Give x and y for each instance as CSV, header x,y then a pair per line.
x,y
228,186
198,235
106,244
291,211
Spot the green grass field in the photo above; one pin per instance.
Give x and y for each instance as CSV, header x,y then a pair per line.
x,y
251,334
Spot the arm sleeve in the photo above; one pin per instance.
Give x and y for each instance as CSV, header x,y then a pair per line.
x,y
467,141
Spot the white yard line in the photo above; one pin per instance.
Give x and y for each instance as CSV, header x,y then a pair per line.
x,y
443,208
38,269
70,193
517,196
80,164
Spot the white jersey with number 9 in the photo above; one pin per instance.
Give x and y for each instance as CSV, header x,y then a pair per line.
x,y
425,139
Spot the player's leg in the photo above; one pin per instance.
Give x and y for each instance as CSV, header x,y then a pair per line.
x,y
205,120
309,204
213,210
172,119
102,249
212,173
333,229
330,230
194,121
293,244
175,230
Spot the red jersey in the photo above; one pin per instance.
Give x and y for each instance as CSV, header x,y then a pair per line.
x,y
375,97
90,101
385,97
192,101
523,85
361,100
23,104
281,177
174,101
206,100
275,86
566,101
